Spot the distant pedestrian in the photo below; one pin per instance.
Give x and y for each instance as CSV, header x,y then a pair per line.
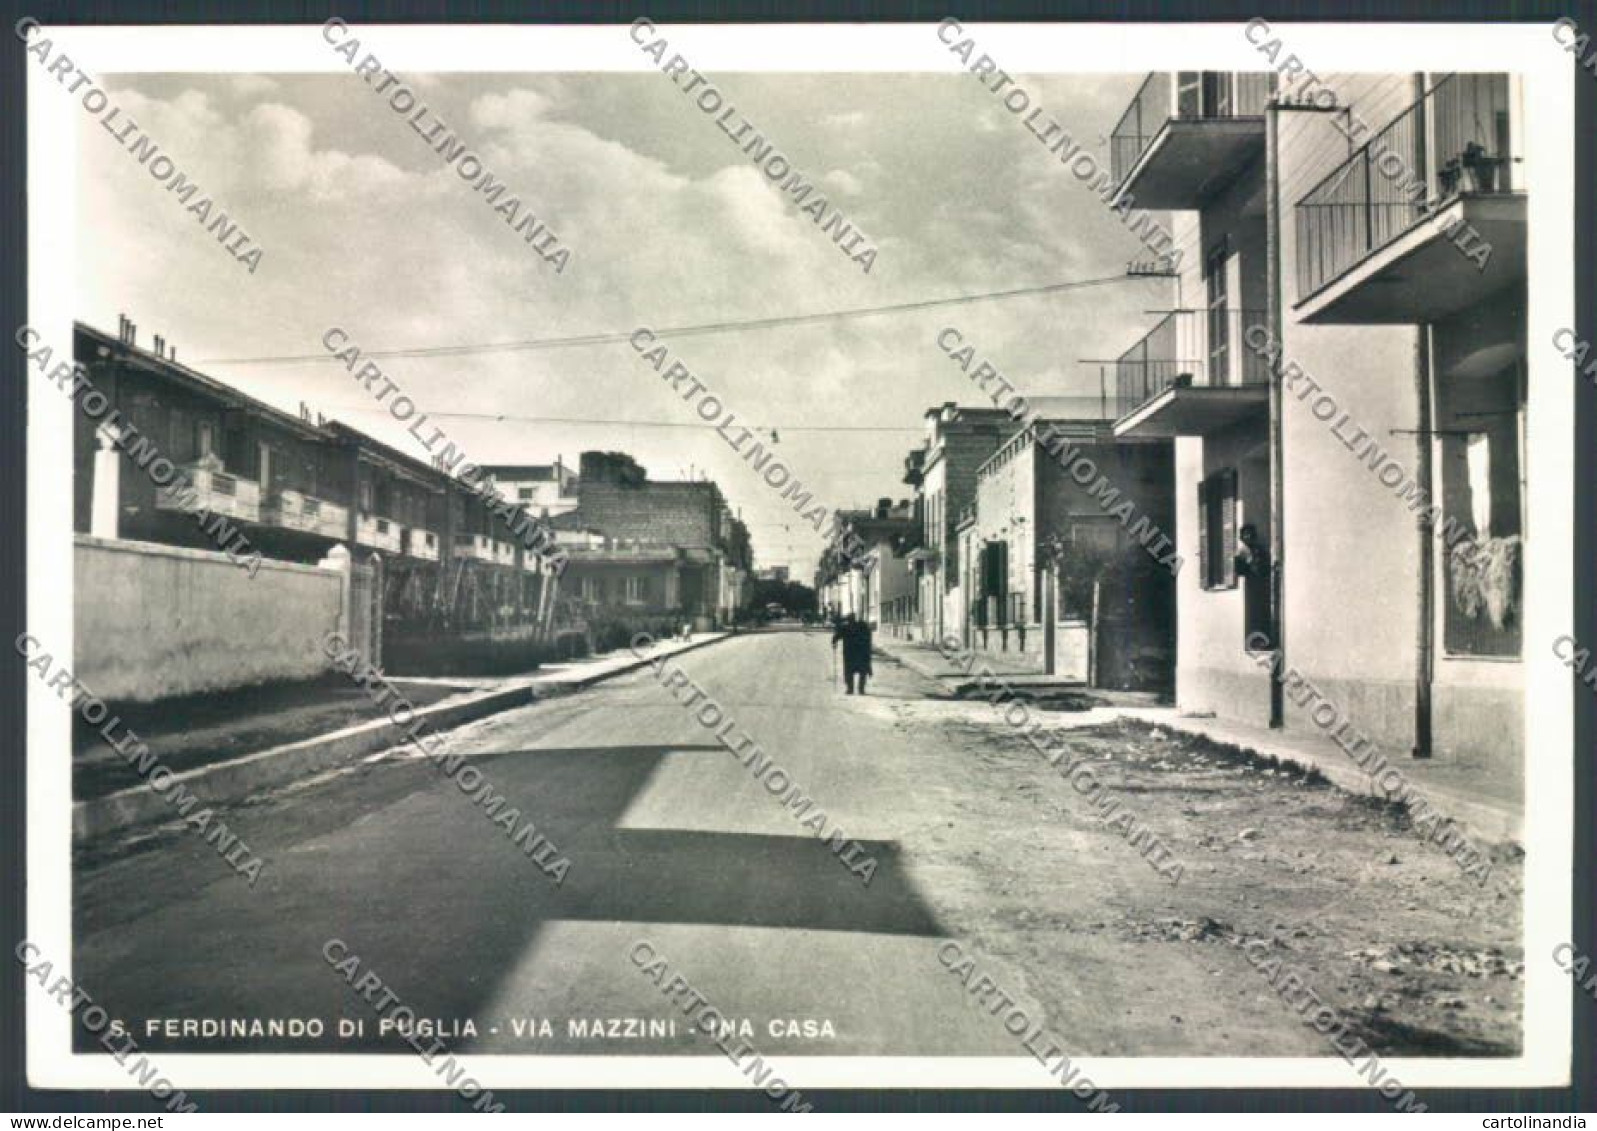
x,y
855,637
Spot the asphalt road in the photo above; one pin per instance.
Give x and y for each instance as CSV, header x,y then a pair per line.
x,y
672,841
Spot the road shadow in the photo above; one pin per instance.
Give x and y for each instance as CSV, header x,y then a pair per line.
x,y
437,900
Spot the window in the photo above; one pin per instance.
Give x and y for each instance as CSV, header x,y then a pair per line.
x,y
589,589
1217,530
637,590
1189,94
1481,533
1217,94
180,436
524,493
994,567
1218,294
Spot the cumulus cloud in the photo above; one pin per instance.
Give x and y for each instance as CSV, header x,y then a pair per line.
x,y
508,111
251,86
364,227
844,182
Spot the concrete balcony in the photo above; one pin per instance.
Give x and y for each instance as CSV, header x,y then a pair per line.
x,y
381,534
475,547
1187,134
1395,234
632,553
420,543
294,510
1191,375
213,490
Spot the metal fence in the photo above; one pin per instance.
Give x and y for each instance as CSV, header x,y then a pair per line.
x,y
1198,96
365,631
1206,348
1395,179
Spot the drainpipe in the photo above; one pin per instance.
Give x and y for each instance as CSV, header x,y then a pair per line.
x,y
1425,394
1425,628
1272,258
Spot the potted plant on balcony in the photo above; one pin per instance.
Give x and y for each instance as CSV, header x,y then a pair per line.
x,y
1482,168
1448,175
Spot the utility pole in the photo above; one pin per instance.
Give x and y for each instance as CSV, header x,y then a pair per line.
x,y
1272,239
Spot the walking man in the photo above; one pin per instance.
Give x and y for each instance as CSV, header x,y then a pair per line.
x,y
855,636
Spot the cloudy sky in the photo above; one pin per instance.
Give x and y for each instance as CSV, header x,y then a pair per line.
x,y
669,223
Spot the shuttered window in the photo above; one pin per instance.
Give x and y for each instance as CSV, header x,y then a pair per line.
x,y
995,569
1228,528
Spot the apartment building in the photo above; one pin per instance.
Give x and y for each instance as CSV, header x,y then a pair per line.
x,y
1031,525
544,489
639,546
943,473
1370,260
296,486
876,583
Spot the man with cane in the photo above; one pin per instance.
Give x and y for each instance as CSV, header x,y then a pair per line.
x,y
855,636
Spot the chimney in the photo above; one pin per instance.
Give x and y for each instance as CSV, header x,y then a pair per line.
x,y
883,506
160,346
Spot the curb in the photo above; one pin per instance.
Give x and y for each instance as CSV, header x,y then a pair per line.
x,y
1490,823
1487,822
554,689
238,778
914,664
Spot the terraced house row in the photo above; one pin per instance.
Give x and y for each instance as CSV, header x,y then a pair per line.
x,y
415,566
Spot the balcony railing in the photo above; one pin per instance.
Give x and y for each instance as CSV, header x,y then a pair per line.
x,y
421,543
213,490
295,510
379,533
1204,348
479,547
1185,96
1396,179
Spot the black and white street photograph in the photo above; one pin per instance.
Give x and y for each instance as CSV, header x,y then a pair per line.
x,y
774,558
